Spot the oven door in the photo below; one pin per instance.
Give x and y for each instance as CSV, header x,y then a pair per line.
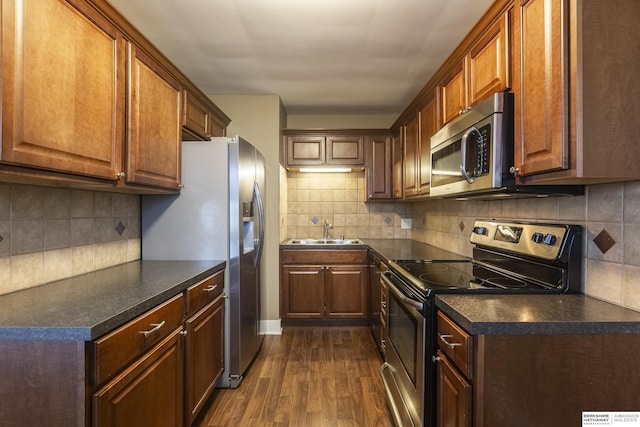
x,y
403,371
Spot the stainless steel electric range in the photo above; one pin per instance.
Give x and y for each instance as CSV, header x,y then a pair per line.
x,y
508,257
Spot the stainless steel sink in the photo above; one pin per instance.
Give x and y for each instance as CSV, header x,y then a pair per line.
x,y
323,242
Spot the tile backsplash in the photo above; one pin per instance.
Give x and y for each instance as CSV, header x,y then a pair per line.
x,y
340,198
609,213
48,234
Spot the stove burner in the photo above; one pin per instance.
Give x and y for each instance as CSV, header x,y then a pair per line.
x,y
444,278
417,267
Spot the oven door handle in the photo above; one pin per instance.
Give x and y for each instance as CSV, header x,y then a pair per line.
x,y
413,303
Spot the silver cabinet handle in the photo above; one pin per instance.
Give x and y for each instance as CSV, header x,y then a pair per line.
x,y
451,345
210,288
156,326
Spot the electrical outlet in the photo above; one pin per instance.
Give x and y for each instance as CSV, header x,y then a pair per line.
x,y
405,223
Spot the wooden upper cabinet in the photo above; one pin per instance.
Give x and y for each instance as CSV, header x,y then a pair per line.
x,y
488,63
429,125
195,116
199,122
154,123
345,150
411,157
378,167
454,92
397,163
541,107
332,147
63,78
484,70
305,150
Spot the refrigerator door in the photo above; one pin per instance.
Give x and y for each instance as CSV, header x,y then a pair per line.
x,y
246,228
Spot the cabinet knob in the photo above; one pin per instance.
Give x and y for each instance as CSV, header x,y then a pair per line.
x,y
121,175
514,170
435,359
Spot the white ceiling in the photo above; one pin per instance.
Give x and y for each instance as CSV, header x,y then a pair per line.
x,y
319,56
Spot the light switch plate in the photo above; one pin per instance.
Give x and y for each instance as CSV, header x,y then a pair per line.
x,y
405,223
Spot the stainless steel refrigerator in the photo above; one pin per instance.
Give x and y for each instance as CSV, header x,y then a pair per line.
x,y
219,215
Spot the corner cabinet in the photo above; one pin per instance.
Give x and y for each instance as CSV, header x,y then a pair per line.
x,y
575,99
319,284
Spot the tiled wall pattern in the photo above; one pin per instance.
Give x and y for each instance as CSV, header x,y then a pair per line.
x,y
340,198
48,234
610,214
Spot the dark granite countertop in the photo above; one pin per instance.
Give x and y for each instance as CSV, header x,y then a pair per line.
x,y
84,307
538,314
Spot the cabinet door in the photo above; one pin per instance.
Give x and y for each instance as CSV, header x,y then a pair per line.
x,y
397,156
453,391
429,125
411,158
195,116
305,150
204,345
541,86
378,167
303,289
147,393
487,63
63,84
154,123
346,292
453,91
345,150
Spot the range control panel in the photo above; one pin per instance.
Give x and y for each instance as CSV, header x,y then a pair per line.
x,y
533,239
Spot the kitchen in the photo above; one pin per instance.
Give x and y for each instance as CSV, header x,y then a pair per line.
x,y
52,250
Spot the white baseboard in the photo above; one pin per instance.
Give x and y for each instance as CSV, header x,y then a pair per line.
x,y
270,327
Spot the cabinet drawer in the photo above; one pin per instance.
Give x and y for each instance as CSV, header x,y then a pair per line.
x,y
115,350
456,344
204,292
324,256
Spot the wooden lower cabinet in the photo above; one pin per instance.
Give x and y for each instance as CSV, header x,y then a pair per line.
x,y
147,393
532,380
157,370
204,355
453,395
324,284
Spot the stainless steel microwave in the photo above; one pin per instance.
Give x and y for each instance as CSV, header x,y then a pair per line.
x,y
468,154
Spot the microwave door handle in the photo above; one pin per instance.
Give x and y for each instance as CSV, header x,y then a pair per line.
x,y
463,148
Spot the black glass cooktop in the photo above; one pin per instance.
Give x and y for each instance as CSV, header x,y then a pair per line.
x,y
462,276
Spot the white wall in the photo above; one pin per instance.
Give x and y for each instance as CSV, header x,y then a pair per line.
x,y
258,119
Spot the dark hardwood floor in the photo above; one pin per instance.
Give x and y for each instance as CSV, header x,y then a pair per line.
x,y
308,376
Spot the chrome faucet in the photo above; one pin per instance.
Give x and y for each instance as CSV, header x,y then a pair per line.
x,y
327,227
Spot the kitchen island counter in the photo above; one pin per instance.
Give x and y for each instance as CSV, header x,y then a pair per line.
x,y
85,307
538,314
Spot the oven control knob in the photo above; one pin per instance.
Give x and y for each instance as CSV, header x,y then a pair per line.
x,y
549,239
537,237
480,230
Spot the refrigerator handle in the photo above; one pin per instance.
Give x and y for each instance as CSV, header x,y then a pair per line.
x,y
260,243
